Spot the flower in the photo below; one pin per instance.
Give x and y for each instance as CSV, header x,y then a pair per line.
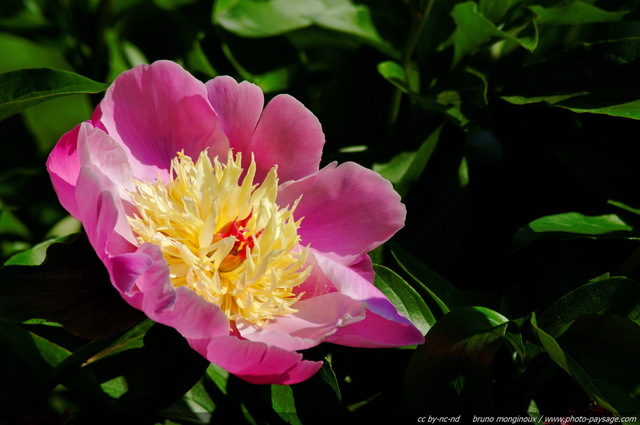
x,y
212,216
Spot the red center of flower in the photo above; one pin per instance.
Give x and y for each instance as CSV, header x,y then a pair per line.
x,y
236,229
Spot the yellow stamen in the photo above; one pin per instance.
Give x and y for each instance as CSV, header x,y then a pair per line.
x,y
224,236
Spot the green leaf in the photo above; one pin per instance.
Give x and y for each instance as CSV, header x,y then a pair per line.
x,y
406,168
404,297
600,353
572,225
23,89
617,295
598,78
36,255
48,120
395,74
453,366
445,296
72,287
133,338
473,30
218,376
575,13
618,103
252,18
283,403
25,358
495,11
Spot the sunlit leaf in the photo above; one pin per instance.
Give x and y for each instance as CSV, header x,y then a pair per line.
x,y
284,404
575,13
23,89
572,225
393,72
404,297
274,17
47,121
473,29
36,255
133,338
405,168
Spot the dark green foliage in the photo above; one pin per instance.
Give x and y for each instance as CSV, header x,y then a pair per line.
x,y
509,128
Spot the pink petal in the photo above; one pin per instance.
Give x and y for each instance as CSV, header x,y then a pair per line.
x,y
97,210
375,331
287,135
316,319
383,326
107,159
179,308
156,111
256,362
99,149
64,168
348,210
239,107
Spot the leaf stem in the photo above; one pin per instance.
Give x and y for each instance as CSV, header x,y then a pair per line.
x,y
417,25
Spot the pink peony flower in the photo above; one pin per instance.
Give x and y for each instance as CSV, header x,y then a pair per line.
x,y
212,216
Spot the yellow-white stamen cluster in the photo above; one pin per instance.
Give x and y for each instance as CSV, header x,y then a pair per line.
x,y
224,236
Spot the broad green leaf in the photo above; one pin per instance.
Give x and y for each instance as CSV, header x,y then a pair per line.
x,y
49,120
404,297
25,358
23,89
405,168
473,30
115,387
453,366
619,103
574,222
133,338
218,376
283,403
600,352
575,13
572,225
71,287
195,407
251,18
617,295
445,296
393,72
36,255
495,11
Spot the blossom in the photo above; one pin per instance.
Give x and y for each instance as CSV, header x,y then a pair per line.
x,y
212,216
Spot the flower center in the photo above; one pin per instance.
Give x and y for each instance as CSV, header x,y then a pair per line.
x,y
224,236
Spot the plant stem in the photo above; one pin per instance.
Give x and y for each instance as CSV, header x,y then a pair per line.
x,y
417,25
